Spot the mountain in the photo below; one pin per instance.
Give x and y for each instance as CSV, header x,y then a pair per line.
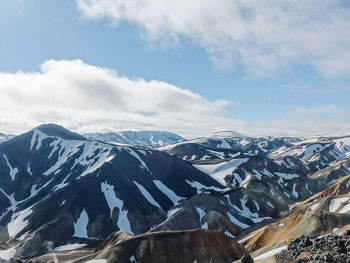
x,y
225,145
5,137
56,186
67,196
140,138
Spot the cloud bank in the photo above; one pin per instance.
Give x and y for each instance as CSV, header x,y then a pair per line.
x,y
86,98
264,36
91,98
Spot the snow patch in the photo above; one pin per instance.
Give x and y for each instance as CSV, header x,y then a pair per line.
x,y
335,203
81,225
147,195
123,222
168,192
13,171
8,253
70,247
221,170
270,253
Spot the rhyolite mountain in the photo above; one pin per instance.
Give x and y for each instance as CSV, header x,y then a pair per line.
x,y
152,139
62,190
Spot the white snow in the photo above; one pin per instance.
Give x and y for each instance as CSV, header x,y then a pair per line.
x,y
256,205
142,163
13,171
314,206
335,203
285,176
236,221
66,149
123,222
220,170
269,204
295,193
97,261
132,258
89,158
201,214
229,234
19,221
70,247
245,239
200,187
168,192
62,184
224,144
28,169
173,211
81,225
147,195
313,148
221,155
270,253
244,142
37,137
281,224
345,209
8,253
33,190
245,211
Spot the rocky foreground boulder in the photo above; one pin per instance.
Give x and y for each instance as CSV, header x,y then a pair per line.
x,y
330,248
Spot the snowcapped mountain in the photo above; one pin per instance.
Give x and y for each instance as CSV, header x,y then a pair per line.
x,y
141,138
57,186
225,145
60,191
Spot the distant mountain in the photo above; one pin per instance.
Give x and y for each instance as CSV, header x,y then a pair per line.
x,y
141,138
5,137
225,145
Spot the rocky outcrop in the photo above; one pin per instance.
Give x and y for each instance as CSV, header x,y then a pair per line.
x,y
330,248
189,246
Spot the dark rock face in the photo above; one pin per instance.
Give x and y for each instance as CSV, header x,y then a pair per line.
x,y
175,246
331,248
247,258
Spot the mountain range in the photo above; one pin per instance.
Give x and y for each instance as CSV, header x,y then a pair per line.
x,y
67,197
152,139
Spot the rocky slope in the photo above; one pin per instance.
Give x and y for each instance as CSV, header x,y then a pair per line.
x,y
330,248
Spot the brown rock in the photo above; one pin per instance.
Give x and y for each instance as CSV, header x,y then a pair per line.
x,y
197,245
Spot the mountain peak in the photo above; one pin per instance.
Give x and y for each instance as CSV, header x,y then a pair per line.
x,y
227,134
52,129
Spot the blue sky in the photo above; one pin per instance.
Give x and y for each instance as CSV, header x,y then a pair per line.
x,y
269,92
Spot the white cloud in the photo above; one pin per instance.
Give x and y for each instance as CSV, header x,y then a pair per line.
x,y
87,98
263,35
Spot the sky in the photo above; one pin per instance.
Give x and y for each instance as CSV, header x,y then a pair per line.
x,y
191,67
